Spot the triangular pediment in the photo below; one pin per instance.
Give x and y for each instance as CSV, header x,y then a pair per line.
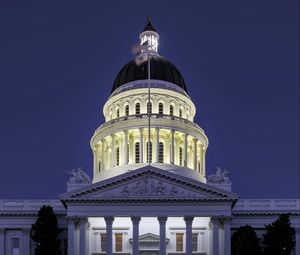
x,y
148,183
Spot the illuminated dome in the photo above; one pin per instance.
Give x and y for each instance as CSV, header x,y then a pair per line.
x,y
161,69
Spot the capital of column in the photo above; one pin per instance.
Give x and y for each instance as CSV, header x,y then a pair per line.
x,y
188,219
125,132
135,219
109,219
157,129
162,219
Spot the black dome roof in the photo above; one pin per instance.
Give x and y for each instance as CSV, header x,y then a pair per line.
x,y
161,69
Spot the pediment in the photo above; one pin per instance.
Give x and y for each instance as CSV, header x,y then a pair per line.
x,y
148,183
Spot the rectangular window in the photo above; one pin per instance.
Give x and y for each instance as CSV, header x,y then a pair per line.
x,y
119,242
179,241
15,246
150,152
103,242
137,152
195,242
180,156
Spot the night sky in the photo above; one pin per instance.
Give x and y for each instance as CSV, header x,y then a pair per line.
x,y
240,61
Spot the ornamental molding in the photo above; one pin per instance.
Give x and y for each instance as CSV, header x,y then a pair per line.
x,y
151,185
141,121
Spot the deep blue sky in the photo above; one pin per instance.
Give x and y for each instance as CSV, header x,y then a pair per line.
x,y
240,60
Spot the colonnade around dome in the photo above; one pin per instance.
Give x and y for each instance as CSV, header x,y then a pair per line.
x,y
167,146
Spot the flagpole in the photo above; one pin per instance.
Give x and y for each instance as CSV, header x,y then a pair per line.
x,y
148,107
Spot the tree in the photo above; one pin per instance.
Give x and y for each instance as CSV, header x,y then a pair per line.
x,y
280,237
245,242
45,233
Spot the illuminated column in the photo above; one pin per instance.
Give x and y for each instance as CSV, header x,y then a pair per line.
x,y
162,234
157,144
201,158
172,146
203,161
109,241
188,234
2,241
135,235
195,154
83,236
71,236
227,236
113,163
96,159
215,235
141,145
103,154
125,159
185,150
26,242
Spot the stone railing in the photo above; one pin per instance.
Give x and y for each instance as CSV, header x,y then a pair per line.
x,y
268,205
33,205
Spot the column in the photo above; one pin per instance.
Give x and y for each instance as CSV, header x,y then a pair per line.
x,y
109,241
103,154
227,236
135,235
162,234
201,158
297,239
141,146
195,154
203,162
96,159
2,241
71,236
125,159
188,234
26,241
157,144
83,236
185,150
215,235
172,146
113,152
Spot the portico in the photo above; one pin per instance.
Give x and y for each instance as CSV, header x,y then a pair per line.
x,y
149,193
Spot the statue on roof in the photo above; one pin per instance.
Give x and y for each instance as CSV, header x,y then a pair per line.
x,y
221,176
78,176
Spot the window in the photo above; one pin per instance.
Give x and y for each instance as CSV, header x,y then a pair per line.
x,y
180,156
118,242
137,108
15,246
118,113
103,242
137,152
150,152
160,108
180,112
179,241
171,110
149,107
195,242
118,156
127,110
161,152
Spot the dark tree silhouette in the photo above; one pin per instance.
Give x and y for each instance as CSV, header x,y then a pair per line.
x,y
280,237
45,231
245,242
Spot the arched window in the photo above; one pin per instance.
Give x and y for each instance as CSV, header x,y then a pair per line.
x,y
180,112
118,156
161,108
149,107
137,108
180,156
161,153
127,110
137,152
150,152
118,113
171,110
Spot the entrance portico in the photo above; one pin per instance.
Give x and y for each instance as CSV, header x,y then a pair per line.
x,y
149,192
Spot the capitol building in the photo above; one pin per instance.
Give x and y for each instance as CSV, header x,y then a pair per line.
x,y
149,193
